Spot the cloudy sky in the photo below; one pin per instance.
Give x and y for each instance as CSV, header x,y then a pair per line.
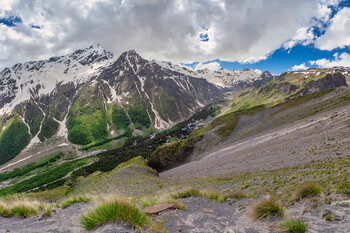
x,y
275,35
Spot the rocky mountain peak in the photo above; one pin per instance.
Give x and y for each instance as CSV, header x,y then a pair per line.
x,y
247,69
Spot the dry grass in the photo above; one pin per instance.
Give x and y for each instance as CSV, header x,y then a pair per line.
x,y
308,189
75,199
267,208
24,208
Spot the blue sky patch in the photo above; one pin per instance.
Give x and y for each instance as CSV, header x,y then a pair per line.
x,y
11,21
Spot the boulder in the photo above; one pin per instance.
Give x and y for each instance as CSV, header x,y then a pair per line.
x,y
159,208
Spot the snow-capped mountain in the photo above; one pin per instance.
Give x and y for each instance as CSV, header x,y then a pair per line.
x,y
89,95
32,79
223,78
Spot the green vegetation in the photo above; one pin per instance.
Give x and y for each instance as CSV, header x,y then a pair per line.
x,y
294,225
87,119
23,208
119,118
48,128
267,208
214,111
329,218
343,187
139,115
48,180
44,162
121,211
190,192
308,189
170,155
211,194
34,123
125,178
75,199
13,139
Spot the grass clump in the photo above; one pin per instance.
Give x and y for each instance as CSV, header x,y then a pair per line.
x,y
76,199
211,194
155,200
267,208
294,225
329,218
190,192
116,211
23,208
308,189
344,187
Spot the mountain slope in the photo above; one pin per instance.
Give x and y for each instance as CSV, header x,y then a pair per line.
x,y
90,96
286,91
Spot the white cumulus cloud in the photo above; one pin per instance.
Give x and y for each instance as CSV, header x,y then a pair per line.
x,y
300,67
337,35
342,59
212,66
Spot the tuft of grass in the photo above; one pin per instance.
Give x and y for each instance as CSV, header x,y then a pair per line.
x,y
155,200
118,211
23,208
329,218
70,201
294,225
267,208
344,187
211,194
308,189
235,194
190,192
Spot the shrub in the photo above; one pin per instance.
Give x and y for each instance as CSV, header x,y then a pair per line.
x,y
121,211
267,208
329,218
308,189
294,225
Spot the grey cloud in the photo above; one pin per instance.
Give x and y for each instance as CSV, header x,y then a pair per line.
x,y
157,29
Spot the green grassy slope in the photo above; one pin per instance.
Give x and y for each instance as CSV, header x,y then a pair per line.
x,y
13,139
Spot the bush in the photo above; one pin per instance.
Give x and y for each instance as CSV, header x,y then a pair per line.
x,y
329,218
115,211
308,189
294,225
267,208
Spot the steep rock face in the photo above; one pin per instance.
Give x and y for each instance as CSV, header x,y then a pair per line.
x,y
331,80
166,95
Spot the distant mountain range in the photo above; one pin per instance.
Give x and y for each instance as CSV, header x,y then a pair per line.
x,y
90,95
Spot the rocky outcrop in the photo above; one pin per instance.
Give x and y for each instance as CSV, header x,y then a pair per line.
x,y
331,80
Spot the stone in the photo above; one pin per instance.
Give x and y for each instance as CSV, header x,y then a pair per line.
x,y
159,208
208,211
345,203
336,214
